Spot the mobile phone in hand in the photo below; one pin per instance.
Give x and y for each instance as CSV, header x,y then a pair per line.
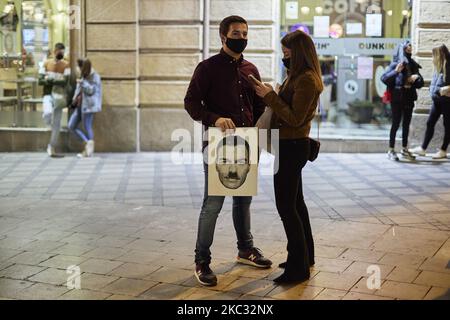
x,y
255,81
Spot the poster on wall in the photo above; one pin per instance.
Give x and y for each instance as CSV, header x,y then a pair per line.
x,y
354,28
374,23
321,26
233,162
292,10
365,68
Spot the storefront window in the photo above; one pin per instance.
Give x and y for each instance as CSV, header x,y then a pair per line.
x,y
355,40
28,32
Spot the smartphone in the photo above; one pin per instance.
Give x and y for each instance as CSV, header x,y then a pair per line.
x,y
253,79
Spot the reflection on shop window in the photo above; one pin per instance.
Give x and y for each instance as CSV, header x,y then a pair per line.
x,y
355,40
29,31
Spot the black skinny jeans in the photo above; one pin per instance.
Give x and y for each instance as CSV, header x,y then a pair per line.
x,y
399,111
436,110
292,157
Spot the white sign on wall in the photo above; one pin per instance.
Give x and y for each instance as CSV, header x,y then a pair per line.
x,y
365,67
321,26
351,87
353,28
292,10
374,23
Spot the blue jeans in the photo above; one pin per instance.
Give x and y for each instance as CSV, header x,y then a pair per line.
x,y
87,119
207,223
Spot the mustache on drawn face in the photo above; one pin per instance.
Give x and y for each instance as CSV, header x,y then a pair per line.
x,y
232,176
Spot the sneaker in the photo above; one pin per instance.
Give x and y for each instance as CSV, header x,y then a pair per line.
x,y
205,276
90,148
392,155
441,154
51,151
253,257
418,150
407,155
82,155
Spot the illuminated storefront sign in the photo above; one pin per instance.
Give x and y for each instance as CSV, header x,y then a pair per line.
x,y
357,46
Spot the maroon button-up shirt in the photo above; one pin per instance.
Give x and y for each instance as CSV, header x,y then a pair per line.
x,y
220,88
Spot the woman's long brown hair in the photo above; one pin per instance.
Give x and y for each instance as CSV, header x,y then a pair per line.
x,y
441,57
303,56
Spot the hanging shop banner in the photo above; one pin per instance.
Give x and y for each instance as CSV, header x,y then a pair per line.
x,y
365,68
357,46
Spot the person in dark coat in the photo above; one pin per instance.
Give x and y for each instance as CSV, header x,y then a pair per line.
x,y
440,95
402,79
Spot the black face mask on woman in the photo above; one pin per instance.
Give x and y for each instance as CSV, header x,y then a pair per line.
x,y
236,45
287,62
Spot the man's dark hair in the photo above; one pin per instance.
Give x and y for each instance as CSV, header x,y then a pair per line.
x,y
225,24
60,46
235,141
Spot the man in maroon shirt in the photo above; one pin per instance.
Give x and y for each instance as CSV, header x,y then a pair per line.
x,y
221,95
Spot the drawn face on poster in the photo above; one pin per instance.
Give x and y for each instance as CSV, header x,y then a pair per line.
x,y
233,162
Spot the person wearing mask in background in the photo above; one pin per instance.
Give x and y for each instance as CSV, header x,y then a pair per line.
x,y
54,76
440,95
220,94
86,102
293,110
402,79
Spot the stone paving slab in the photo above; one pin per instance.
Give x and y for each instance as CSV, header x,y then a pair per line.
x,y
131,226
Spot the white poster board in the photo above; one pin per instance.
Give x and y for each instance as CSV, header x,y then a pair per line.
x,y
374,23
354,28
365,68
292,10
321,26
233,162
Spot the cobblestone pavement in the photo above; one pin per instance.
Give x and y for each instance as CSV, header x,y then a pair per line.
x,y
129,222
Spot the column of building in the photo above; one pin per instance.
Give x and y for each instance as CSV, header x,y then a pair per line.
x,y
431,28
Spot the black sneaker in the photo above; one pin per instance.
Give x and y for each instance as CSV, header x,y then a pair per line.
x,y
254,257
205,276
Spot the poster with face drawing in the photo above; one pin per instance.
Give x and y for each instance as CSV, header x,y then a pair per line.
x,y
233,162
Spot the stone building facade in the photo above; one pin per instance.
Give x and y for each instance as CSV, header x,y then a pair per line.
x,y
146,52
431,28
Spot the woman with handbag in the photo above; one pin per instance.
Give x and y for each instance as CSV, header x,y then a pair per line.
x,y
87,101
440,94
402,79
293,111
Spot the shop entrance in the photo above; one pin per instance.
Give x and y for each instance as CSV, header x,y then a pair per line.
x,y
355,41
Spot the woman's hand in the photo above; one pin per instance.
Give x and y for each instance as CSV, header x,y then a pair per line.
x,y
413,78
399,68
445,91
262,89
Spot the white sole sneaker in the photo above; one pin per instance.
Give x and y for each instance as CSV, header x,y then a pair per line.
x,y
251,263
439,156
204,283
418,151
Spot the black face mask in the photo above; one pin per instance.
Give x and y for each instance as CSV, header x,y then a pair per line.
x,y
59,56
287,62
236,45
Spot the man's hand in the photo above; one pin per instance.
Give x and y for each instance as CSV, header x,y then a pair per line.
x,y
225,124
399,68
